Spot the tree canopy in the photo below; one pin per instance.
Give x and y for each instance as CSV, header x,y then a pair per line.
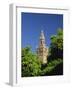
x,y
56,46
31,65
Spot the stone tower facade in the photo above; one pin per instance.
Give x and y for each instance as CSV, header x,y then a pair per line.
x,y
42,50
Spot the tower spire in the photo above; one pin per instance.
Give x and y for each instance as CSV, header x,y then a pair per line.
x,y
42,39
42,35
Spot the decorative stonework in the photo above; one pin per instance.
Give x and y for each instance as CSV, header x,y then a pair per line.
x,y
42,50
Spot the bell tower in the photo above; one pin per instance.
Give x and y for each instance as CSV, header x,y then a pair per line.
x,y
42,50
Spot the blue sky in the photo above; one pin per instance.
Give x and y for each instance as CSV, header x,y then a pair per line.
x,y
33,23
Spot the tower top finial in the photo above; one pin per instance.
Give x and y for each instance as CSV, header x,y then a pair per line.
x,y
42,31
42,35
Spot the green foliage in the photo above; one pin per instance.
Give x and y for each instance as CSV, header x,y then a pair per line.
x,y
51,68
31,65
56,46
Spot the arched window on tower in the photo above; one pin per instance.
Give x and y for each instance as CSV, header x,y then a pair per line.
x,y
41,42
